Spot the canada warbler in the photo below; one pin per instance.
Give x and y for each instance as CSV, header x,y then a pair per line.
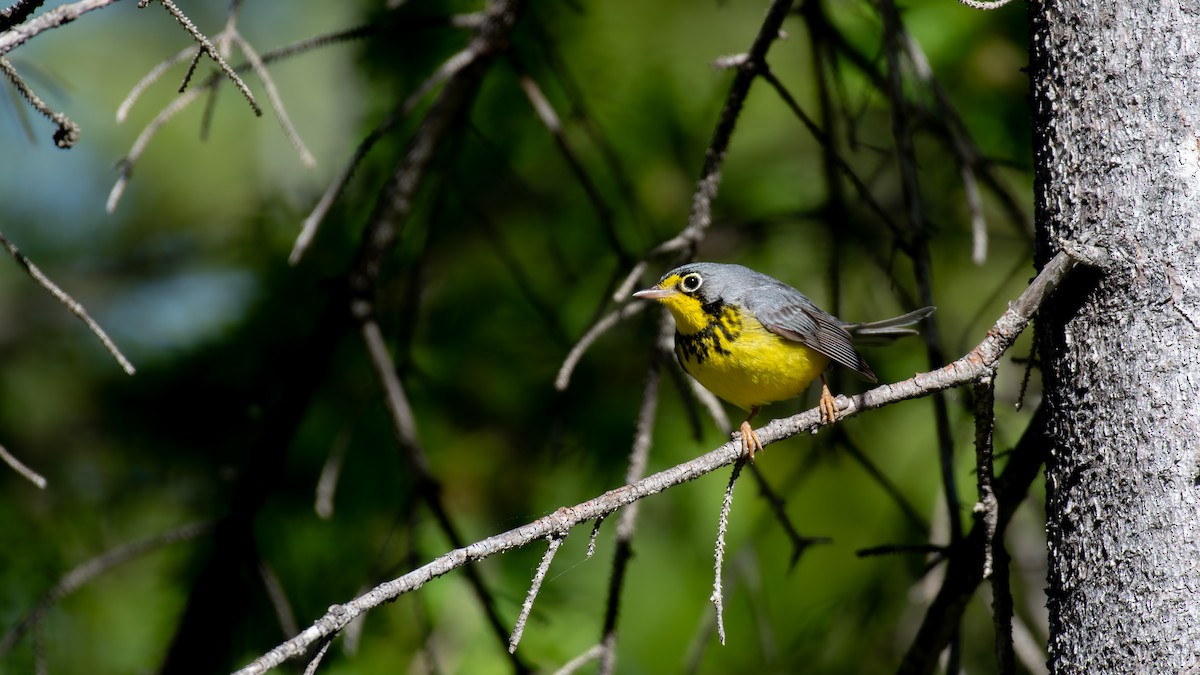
x,y
753,340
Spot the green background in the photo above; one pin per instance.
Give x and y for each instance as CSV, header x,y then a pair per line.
x,y
502,267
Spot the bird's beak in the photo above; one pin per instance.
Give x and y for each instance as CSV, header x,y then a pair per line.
x,y
655,293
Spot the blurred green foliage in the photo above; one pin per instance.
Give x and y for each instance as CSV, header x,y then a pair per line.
x,y
502,266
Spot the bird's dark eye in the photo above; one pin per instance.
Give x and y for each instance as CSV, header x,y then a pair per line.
x,y
691,283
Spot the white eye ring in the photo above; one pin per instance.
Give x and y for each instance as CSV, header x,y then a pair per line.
x,y
691,283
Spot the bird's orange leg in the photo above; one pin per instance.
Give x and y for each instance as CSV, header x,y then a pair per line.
x,y
750,440
827,404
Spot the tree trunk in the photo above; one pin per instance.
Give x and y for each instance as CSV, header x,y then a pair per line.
x,y
1116,95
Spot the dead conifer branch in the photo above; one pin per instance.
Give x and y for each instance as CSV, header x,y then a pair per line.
x,y
964,370
717,598
19,35
213,53
67,132
778,508
563,380
18,12
70,303
580,661
276,101
308,230
591,547
16,465
125,166
150,78
985,4
986,509
85,572
315,663
554,542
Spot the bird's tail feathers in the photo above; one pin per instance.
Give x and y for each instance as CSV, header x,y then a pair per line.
x,y
887,329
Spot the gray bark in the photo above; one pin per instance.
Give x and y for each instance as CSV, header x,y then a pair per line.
x,y
1116,93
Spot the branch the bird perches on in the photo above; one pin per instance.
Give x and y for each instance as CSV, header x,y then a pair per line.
x,y
978,362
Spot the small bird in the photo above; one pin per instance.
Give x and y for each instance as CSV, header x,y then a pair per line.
x,y
753,340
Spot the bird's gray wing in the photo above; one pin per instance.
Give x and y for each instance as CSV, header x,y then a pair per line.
x,y
786,312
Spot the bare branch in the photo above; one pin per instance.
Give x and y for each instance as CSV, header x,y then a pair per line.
x,y
210,49
20,10
800,543
555,541
700,216
964,370
591,547
405,427
67,133
54,18
987,514
986,509
964,570
840,162
279,601
580,661
309,230
68,302
563,380
315,663
289,129
150,78
16,465
639,456
328,481
549,118
985,4
717,598
84,573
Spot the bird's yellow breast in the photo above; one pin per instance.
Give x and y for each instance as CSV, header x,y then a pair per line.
x,y
735,357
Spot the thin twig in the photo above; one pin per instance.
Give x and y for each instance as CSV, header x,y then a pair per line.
x,y
89,570
964,571
832,155
889,486
563,380
549,118
639,456
964,370
338,185
70,303
311,668
986,509
917,246
278,598
985,4
18,12
778,507
213,53
555,541
717,598
960,146
150,78
901,549
580,661
405,428
19,35
328,481
987,513
67,133
276,100
125,166
700,216
16,465
591,547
